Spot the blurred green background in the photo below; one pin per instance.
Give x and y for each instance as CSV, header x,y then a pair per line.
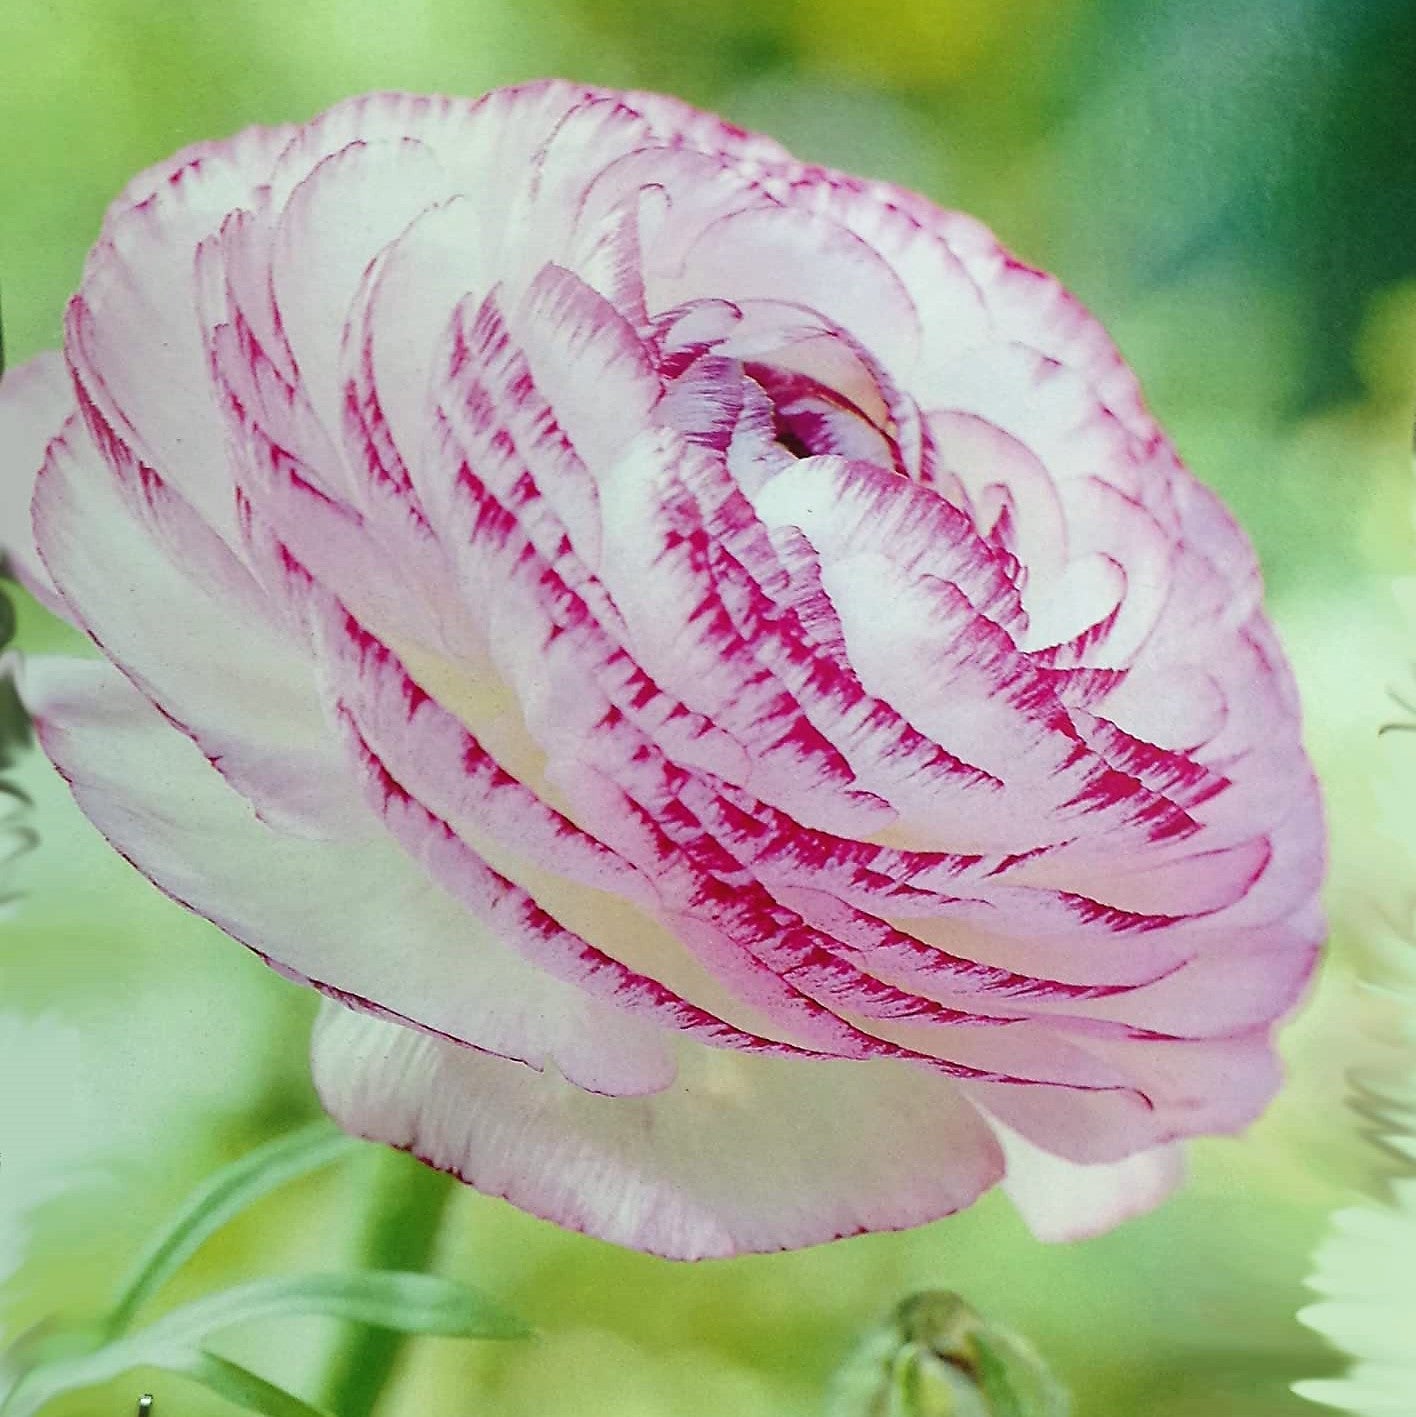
x,y
1232,186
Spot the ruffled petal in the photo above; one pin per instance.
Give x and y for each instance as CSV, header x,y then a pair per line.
x,y
36,401
740,1155
358,920
1062,1201
171,604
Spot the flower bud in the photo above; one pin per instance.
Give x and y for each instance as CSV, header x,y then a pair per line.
x,y
937,1357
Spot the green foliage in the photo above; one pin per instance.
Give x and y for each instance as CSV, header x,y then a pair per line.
x,y
54,1361
220,1199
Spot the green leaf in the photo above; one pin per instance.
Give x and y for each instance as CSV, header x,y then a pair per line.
x,y
407,1303
227,1379
221,1198
243,1388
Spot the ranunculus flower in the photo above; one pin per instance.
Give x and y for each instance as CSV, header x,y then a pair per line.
x,y
705,660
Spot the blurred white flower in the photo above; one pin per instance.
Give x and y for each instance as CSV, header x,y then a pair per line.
x,y
1365,1269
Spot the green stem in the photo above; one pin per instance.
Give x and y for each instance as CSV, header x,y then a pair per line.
x,y
406,1206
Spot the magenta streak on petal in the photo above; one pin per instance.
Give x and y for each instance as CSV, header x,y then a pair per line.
x,y
779,607
800,953
385,702
734,903
751,699
1122,796
847,510
1082,688
513,434
233,275
504,907
232,927
365,559
1107,788
367,434
856,936
256,390
784,855
1181,779
571,617
614,265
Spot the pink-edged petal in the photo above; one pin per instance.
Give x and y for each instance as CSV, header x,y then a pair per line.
x,y
135,343
36,401
903,230
850,508
242,162
1191,1087
337,220
764,593
1008,490
1030,307
1111,593
1062,1201
742,1154
169,602
1235,982
385,561
1049,407
766,252
404,311
485,144
680,124
358,920
543,885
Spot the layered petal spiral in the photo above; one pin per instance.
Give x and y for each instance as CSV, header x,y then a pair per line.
x,y
706,662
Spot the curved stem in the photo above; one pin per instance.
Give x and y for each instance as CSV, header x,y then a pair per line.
x,y
406,1206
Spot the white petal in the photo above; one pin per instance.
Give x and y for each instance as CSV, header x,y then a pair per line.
x,y
742,1154
357,919
35,402
1061,1200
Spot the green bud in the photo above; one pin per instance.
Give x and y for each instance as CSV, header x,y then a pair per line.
x,y
936,1357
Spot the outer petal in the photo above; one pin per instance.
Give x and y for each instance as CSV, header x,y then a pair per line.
x,y
134,342
742,1154
1061,1200
35,402
359,920
169,603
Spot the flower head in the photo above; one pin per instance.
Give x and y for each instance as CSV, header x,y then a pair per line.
x,y
705,661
